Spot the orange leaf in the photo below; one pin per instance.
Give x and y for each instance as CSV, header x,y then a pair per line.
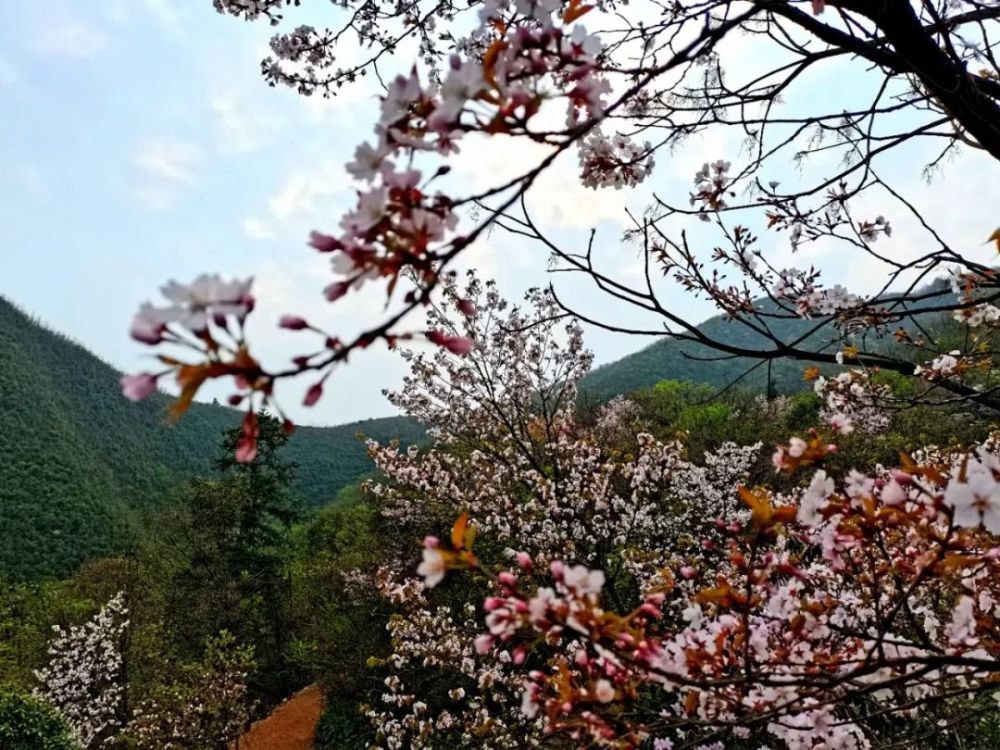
x,y
490,60
717,595
191,378
691,701
575,10
458,531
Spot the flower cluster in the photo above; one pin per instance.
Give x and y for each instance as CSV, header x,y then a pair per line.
x,y
207,706
83,679
803,290
614,162
943,366
712,184
852,401
778,640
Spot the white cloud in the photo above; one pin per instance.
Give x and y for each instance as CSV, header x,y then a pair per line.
x,y
243,126
300,192
257,229
168,159
557,199
72,38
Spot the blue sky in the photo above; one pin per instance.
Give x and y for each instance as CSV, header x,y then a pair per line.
x,y
140,144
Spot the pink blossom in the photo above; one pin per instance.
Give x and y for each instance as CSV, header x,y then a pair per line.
x,y
324,242
314,394
432,567
138,387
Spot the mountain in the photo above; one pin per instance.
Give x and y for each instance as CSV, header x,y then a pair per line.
x,y
78,461
682,360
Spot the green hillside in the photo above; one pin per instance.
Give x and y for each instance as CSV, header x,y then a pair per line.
x,y
78,461
682,360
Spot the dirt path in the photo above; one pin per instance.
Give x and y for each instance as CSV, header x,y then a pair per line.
x,y
291,726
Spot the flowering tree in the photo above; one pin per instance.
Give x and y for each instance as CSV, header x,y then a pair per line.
x,y
206,709
804,617
512,458
818,614
84,678
648,78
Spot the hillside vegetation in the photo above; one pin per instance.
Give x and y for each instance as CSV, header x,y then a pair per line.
x,y
78,462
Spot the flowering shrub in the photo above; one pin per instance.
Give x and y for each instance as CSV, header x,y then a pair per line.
x,y
83,679
208,708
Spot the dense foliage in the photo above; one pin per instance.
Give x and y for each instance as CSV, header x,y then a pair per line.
x,y
80,466
28,723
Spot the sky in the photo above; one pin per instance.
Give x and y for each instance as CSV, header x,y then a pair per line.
x,y
140,144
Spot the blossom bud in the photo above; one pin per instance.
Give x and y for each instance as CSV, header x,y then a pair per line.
x,y
292,323
650,610
524,561
336,290
314,394
507,580
901,477
138,387
431,542
324,242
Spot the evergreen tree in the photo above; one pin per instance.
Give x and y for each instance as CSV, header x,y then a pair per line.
x,y
233,536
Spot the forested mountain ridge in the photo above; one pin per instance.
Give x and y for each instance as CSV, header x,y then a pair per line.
x,y
685,360
77,460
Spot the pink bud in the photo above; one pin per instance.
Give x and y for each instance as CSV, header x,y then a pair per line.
x,y
460,345
145,331
557,569
507,579
493,602
901,477
138,387
520,654
314,394
688,572
292,323
246,448
649,610
467,307
324,242
431,542
336,290
524,560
